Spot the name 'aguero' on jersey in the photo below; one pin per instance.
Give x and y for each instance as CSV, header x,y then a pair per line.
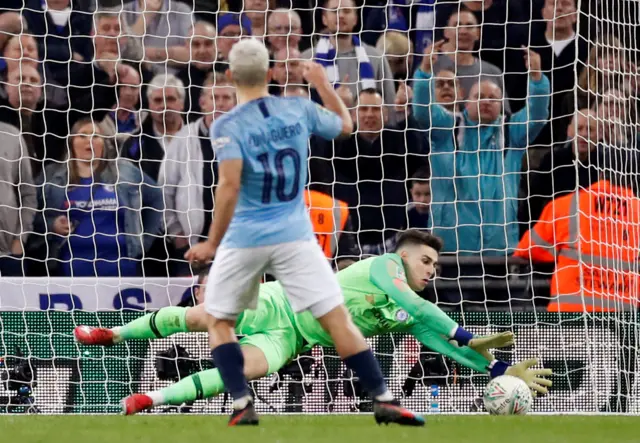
x,y
270,135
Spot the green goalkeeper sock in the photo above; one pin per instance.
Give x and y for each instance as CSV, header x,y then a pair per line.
x,y
159,324
198,386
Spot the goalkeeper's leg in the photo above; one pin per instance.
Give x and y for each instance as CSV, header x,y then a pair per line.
x,y
202,385
162,323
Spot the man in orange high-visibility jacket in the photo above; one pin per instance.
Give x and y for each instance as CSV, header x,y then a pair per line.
x,y
330,219
594,237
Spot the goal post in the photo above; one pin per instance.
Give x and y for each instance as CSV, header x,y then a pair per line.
x,y
144,79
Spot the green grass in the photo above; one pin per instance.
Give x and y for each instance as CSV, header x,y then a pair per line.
x,y
316,429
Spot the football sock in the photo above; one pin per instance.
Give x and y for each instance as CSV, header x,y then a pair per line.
x,y
229,360
159,324
367,369
198,386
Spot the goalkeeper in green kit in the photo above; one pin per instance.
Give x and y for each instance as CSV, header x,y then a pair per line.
x,y
379,294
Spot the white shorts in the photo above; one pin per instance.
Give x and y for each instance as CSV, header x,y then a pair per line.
x,y
300,267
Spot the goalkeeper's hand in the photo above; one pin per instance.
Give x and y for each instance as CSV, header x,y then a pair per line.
x,y
532,377
482,344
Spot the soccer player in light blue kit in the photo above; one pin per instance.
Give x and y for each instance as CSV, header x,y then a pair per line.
x,y
261,225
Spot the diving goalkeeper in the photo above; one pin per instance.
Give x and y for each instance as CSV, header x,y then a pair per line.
x,y
379,294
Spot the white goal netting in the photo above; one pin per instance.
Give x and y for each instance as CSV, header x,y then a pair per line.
x,y
477,120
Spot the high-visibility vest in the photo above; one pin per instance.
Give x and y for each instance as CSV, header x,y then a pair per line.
x,y
329,217
594,238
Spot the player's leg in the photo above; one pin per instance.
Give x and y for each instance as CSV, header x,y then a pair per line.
x,y
202,385
159,324
233,286
311,285
263,354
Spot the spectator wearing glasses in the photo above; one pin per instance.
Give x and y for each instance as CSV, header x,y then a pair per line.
x,y
284,29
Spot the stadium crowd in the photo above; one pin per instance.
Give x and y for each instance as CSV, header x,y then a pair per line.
x,y
469,123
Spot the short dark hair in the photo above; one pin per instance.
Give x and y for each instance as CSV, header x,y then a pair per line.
x,y
422,175
418,237
373,91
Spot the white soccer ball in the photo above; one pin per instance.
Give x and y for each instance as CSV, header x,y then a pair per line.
x,y
507,395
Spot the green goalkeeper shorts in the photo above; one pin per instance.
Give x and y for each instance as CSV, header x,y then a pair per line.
x,y
270,327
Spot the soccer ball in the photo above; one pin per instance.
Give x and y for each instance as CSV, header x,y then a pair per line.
x,y
507,395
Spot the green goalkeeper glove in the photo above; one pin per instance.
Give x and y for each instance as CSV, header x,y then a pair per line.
x,y
532,377
482,344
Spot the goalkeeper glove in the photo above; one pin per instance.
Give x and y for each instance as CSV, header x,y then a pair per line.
x,y
522,370
482,344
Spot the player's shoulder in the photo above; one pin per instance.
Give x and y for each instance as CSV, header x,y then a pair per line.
x,y
291,102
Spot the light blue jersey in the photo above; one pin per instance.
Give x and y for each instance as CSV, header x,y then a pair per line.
x,y
271,136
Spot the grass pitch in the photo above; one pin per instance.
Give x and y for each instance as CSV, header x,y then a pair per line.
x,y
316,429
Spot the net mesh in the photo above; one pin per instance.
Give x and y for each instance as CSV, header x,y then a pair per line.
x,y
471,117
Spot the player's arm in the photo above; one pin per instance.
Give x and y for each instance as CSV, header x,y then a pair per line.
x,y
483,362
387,272
316,76
389,276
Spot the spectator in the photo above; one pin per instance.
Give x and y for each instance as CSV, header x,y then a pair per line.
x,y
16,180
284,30
568,167
556,40
369,169
617,118
287,70
231,28
22,49
99,215
448,91
126,118
203,57
332,227
418,211
398,50
604,71
165,95
62,32
503,30
11,24
44,128
190,173
164,28
256,11
592,237
23,92
343,54
461,35
476,159
414,18
112,32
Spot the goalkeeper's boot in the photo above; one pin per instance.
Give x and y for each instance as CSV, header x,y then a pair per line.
x,y
88,335
246,416
135,403
391,412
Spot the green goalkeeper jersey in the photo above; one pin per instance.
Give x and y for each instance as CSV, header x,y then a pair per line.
x,y
380,301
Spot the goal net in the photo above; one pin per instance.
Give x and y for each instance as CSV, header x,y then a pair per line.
x,y
473,118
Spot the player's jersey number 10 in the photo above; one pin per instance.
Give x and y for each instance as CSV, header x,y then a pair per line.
x,y
282,193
